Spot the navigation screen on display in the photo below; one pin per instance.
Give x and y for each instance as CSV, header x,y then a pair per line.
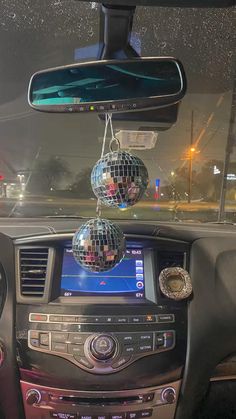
x,y
126,279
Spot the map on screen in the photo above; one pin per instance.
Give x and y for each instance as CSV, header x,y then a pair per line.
x,y
126,279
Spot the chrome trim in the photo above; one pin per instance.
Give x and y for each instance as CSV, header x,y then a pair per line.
x,y
168,388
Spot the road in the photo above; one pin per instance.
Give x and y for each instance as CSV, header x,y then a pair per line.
x,y
151,210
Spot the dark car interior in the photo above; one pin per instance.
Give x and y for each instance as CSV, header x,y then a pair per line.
x,y
69,351
189,364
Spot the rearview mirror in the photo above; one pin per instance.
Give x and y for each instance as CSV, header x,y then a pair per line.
x,y
108,86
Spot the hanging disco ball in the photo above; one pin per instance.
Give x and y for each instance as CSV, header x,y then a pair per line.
x,y
119,179
98,245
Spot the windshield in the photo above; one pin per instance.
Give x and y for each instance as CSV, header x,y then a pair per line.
x,y
46,159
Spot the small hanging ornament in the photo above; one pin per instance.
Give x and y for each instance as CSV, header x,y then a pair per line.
x,y
98,245
119,179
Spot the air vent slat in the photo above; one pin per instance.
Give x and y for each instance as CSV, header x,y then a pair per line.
x,y
29,259
33,294
33,271
30,265
171,259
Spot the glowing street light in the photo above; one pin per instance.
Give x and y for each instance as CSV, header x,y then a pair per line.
x,y
191,155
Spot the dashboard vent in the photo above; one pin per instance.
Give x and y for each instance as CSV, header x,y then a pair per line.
x,y
33,271
171,259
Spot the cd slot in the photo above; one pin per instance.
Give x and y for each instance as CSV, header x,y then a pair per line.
x,y
107,401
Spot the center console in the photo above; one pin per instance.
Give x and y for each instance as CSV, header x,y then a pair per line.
x,y
93,342
104,346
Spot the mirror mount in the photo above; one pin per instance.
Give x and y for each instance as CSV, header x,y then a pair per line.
x,y
115,32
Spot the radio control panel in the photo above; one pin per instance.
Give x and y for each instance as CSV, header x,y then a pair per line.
x,y
99,351
48,402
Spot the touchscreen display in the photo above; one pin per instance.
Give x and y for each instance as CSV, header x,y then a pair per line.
x,y
126,279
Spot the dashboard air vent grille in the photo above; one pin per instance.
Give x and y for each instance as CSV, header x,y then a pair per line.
x,y
171,259
33,271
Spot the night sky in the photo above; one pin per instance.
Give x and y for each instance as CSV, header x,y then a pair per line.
x,y
36,34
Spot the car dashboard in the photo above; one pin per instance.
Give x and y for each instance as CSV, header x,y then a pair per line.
x,y
71,347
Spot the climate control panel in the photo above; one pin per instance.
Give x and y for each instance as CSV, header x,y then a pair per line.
x,y
102,353
98,350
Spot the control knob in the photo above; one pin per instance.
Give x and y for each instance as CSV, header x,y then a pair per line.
x,y
168,395
103,347
33,396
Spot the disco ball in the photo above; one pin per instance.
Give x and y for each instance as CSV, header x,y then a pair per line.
x,y
98,245
119,179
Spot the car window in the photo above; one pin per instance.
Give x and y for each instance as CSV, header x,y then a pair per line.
x,y
46,159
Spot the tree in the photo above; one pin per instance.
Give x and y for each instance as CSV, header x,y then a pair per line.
x,y
206,183
208,180
48,174
82,184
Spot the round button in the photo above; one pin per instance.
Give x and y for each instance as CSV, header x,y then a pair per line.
x,y
103,347
168,395
33,397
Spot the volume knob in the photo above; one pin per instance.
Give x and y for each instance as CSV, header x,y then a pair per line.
x,y
103,347
168,395
33,396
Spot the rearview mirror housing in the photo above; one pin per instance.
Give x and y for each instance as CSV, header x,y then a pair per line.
x,y
109,86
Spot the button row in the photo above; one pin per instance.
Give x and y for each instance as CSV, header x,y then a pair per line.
x,y
149,318
136,414
128,338
102,108
137,343
37,340
58,342
67,342
137,349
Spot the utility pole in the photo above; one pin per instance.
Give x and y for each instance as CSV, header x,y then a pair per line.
x,y
191,151
231,142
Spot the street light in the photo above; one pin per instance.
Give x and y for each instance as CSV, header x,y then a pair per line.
x,y
172,173
191,154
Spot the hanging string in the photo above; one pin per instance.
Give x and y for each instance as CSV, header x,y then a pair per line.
x,y
99,205
114,139
105,134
